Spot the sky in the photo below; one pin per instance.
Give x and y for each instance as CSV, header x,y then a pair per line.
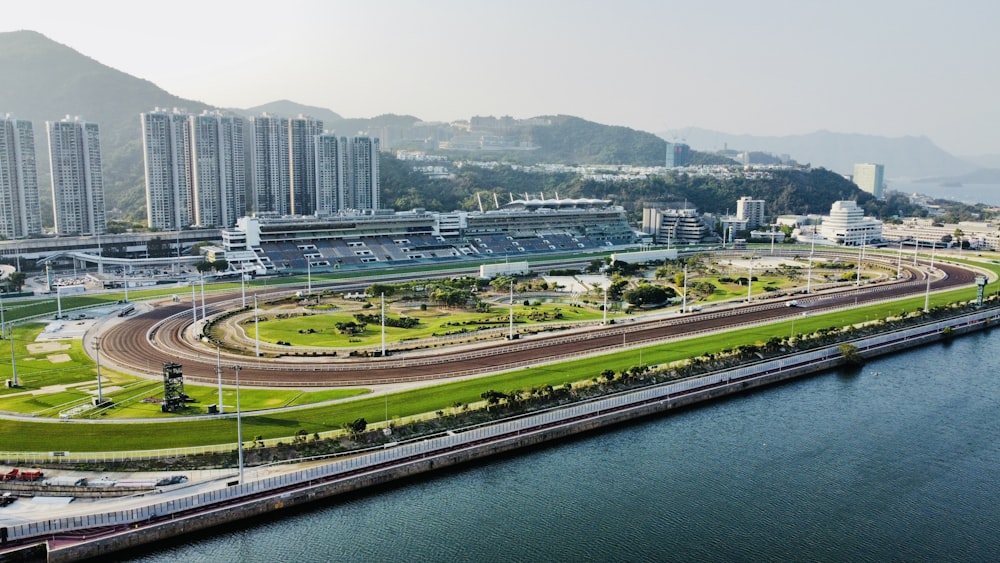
x,y
767,67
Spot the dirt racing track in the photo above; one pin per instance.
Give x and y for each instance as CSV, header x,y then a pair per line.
x,y
141,344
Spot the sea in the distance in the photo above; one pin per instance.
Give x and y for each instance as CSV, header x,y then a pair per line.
x,y
897,461
965,193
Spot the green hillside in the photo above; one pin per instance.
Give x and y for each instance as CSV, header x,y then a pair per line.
x,y
45,81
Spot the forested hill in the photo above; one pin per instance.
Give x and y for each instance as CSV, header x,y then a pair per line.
x,y
798,191
573,140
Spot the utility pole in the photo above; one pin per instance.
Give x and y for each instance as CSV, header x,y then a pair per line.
x,y
239,421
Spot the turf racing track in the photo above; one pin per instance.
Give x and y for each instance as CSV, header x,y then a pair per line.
x,y
142,343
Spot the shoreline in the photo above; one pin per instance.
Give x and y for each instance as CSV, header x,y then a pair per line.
x,y
406,461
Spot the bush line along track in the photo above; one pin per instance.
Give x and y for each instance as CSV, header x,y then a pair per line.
x,y
158,336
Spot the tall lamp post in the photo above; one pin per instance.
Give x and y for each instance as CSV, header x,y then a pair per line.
x,y
239,421
100,394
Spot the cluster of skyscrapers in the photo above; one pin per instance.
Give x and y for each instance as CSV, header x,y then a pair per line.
x,y
77,180
199,170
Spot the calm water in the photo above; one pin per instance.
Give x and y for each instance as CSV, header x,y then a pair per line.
x,y
899,461
968,193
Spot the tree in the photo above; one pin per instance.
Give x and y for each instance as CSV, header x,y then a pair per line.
x,y
16,280
851,354
359,425
647,294
377,289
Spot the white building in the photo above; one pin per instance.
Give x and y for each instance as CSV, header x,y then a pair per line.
x,y
674,226
750,210
77,178
219,169
331,174
870,178
302,132
166,155
847,225
363,173
270,164
20,213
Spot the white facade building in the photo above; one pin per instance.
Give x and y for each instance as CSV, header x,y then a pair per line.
x,y
270,164
750,210
218,167
674,226
870,178
302,133
77,178
166,155
363,173
847,225
20,212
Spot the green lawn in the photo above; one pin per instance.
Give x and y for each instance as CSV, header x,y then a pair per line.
x,y
319,329
32,436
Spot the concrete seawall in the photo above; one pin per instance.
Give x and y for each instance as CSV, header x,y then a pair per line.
x,y
140,534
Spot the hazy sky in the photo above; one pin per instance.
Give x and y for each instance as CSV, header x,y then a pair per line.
x,y
769,67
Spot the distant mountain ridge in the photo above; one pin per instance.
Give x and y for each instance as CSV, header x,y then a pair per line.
x,y
903,157
45,80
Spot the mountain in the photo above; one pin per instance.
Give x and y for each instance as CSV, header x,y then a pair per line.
x,y
44,81
288,108
903,157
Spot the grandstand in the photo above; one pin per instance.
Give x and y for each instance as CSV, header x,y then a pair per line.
x,y
523,227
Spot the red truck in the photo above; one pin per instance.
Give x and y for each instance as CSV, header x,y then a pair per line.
x,y
31,475
11,475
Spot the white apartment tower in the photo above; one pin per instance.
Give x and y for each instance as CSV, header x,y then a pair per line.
x,y
870,178
750,210
20,212
302,132
363,173
331,174
77,180
218,168
270,163
166,149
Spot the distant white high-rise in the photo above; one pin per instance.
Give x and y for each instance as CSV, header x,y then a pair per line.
x,y
219,169
870,178
271,165
166,149
363,173
750,210
20,212
302,132
331,174
77,179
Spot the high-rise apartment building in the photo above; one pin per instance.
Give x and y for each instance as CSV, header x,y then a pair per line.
x,y
270,163
302,132
20,213
363,173
870,178
331,174
750,210
219,169
166,149
678,154
77,179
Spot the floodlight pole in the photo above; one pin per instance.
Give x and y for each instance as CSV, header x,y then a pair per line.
x,y
194,312
256,327
243,285
606,304
510,333
239,421
13,360
899,260
218,372
309,282
861,257
383,323
100,394
685,298
125,279
750,280
202,296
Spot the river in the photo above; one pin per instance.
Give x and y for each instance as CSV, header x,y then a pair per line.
x,y
899,460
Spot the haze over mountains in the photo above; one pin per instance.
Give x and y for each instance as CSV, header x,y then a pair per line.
x,y
45,80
